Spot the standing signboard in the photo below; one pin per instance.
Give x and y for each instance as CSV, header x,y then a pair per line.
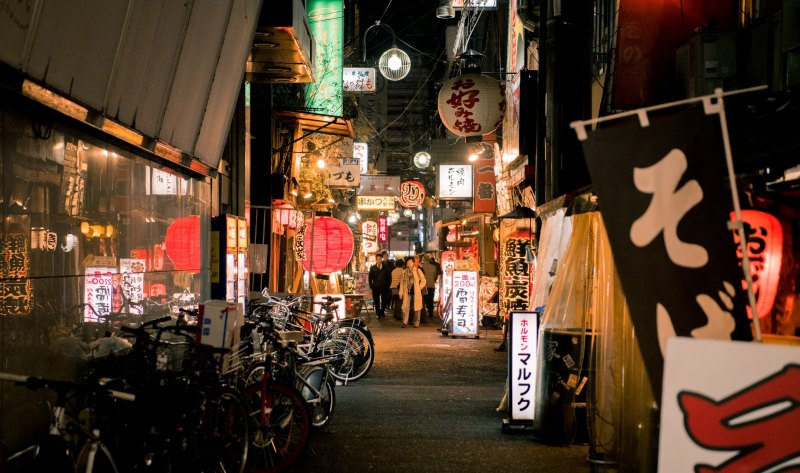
x,y
465,304
522,363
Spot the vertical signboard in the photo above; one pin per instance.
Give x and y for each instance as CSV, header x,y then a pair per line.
x,y
98,292
132,282
516,281
465,303
484,191
522,353
16,290
369,237
448,266
361,154
383,229
326,21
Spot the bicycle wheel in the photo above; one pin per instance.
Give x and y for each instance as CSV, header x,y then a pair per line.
x,y
230,432
278,421
95,459
354,354
317,388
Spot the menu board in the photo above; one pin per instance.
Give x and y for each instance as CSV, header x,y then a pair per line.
x,y
465,303
98,292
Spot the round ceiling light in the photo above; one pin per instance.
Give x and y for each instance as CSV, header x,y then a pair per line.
x,y
422,159
394,64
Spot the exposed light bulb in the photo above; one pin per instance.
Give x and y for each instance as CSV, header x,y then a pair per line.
x,y
321,163
473,157
394,62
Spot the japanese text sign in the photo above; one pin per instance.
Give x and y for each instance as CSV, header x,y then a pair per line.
x,y
484,192
729,406
471,104
448,266
16,291
374,202
516,286
369,236
383,229
345,174
412,193
98,293
361,154
465,303
455,181
132,282
523,362
379,185
358,79
666,207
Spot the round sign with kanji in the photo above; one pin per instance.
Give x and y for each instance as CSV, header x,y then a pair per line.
x,y
412,194
471,104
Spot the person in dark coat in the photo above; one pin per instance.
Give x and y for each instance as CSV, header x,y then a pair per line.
x,y
380,278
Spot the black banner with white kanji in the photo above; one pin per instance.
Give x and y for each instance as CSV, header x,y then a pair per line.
x,y
665,202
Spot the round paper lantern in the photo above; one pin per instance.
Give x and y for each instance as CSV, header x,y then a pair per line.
x,y
412,194
471,104
764,250
328,245
183,243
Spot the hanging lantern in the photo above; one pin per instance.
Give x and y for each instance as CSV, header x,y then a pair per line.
x,y
471,104
764,249
412,194
328,246
183,243
287,216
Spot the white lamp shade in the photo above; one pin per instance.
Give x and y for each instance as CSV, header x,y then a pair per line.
x,y
394,64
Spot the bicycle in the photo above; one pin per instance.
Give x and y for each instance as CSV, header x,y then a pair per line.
x,y
56,452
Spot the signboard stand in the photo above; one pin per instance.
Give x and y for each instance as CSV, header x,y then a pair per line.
x,y
523,353
464,305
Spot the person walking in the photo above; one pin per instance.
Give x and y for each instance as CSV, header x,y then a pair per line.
x,y
431,273
411,293
379,278
397,278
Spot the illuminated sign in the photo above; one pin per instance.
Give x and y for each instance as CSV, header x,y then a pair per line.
x,y
465,303
369,236
375,202
345,174
132,282
358,79
98,292
163,183
522,353
326,21
379,185
455,181
361,153
383,229
16,291
412,193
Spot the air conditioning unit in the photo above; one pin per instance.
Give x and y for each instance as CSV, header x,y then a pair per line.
x,y
705,62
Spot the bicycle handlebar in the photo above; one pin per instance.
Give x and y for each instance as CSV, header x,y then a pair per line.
x,y
33,383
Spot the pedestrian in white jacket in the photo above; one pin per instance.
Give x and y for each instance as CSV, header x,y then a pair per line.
x,y
411,293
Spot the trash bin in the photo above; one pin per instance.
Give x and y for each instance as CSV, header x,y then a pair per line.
x,y
561,408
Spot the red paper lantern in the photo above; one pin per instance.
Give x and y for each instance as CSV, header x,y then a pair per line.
x,y
412,194
471,104
183,243
764,249
328,245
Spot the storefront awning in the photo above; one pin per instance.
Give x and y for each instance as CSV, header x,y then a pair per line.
x,y
314,122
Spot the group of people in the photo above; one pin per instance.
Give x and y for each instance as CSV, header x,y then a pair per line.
x,y
406,286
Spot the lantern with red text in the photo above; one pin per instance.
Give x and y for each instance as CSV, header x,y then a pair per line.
x,y
412,194
764,250
369,237
183,243
328,245
471,104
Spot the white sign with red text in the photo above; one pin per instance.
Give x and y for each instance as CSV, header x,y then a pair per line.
x,y
98,293
729,406
522,353
465,303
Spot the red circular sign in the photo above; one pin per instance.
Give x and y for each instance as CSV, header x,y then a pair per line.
x,y
412,194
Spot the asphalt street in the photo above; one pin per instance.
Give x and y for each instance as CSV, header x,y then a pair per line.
x,y
428,405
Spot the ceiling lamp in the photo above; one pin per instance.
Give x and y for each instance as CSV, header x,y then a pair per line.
x,y
422,159
394,63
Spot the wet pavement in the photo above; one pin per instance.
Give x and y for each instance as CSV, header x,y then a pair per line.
x,y
428,405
